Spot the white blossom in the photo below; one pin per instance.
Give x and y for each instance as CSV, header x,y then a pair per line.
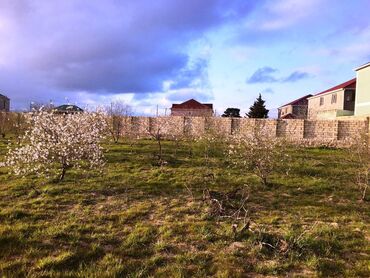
x,y
54,143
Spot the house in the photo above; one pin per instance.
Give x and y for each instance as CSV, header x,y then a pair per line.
x,y
68,109
4,103
362,103
192,108
296,109
334,102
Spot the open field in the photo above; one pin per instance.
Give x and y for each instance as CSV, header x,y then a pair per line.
x,y
138,219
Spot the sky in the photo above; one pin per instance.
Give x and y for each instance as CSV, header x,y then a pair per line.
x,y
154,53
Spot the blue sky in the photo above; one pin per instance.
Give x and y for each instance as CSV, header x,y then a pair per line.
x,y
150,53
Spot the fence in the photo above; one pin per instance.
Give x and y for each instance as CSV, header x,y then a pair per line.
x,y
338,131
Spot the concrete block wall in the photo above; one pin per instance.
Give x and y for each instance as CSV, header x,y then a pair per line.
x,y
247,126
218,125
267,126
195,126
168,126
325,130
295,130
292,129
348,129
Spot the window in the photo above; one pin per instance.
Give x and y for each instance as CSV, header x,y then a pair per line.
x,y
333,98
321,101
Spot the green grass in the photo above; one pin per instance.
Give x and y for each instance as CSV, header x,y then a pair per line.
x,y
137,219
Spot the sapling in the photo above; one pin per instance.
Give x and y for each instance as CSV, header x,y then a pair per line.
x,y
259,152
117,119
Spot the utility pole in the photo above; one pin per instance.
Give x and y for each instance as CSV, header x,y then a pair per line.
x,y
157,110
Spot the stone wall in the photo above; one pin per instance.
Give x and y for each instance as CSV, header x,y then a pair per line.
x,y
350,128
294,129
326,130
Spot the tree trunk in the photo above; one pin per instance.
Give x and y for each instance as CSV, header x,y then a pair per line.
x,y
160,148
364,192
264,180
64,170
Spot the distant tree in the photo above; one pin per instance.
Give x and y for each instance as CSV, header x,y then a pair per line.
x,y
118,117
232,112
258,109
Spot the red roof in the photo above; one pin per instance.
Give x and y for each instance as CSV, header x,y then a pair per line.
x,y
193,104
351,84
297,100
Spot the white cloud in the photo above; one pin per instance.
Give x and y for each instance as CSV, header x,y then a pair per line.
x,y
279,14
356,49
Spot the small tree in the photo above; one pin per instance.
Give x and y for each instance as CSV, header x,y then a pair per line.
x,y
117,119
259,152
232,113
18,125
161,128
258,109
52,144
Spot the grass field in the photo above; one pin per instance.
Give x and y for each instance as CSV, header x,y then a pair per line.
x,y
137,219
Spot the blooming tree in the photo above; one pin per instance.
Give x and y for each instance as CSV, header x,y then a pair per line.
x,y
259,152
54,143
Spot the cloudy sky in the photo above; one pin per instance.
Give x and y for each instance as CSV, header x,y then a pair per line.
x,y
150,53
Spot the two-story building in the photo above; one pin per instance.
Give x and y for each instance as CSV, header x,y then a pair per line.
x,y
334,102
296,109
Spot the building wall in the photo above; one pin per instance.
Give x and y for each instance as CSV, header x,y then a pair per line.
x,y
4,104
191,112
328,109
362,103
338,131
284,110
298,109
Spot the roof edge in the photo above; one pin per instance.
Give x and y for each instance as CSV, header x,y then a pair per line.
x,y
327,93
362,67
296,100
